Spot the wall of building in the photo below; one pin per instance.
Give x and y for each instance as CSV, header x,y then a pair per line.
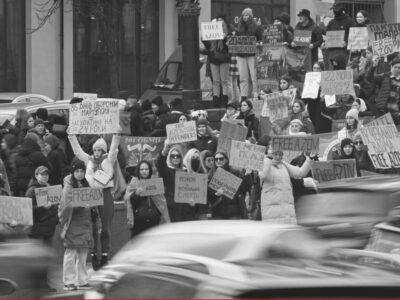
x,y
316,7
391,11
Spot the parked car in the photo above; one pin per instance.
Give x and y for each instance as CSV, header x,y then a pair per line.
x,y
24,98
349,208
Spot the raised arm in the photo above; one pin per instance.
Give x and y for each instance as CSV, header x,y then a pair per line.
x,y
296,172
266,170
76,147
113,153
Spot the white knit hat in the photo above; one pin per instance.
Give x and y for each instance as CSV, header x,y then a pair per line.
x,y
247,11
100,144
353,113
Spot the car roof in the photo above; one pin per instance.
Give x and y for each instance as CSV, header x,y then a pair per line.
x,y
10,95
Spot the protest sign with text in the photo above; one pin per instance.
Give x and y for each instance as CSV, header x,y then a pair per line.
x,y
290,94
229,132
383,145
335,39
242,44
87,197
339,82
182,132
383,47
247,156
227,181
341,123
276,106
273,34
16,209
311,85
212,31
137,148
86,96
323,171
257,106
151,187
48,195
190,188
302,38
358,38
94,117
303,143
380,31
386,119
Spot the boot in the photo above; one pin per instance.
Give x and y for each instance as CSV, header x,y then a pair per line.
x,y
95,261
225,100
104,259
216,101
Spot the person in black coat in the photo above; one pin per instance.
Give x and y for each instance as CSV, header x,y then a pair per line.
x,y
161,111
57,159
250,120
148,119
205,139
136,114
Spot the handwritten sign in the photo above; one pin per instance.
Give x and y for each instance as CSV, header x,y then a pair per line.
x,y
228,133
212,31
304,143
227,181
358,38
338,82
335,39
341,123
182,132
290,94
94,117
302,38
151,187
242,44
383,47
86,96
48,195
247,156
329,100
276,106
380,31
386,119
190,188
273,34
257,106
87,197
383,145
311,85
16,209
323,171
137,148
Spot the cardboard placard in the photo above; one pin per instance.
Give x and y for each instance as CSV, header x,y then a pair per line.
x,y
380,31
137,148
291,94
247,156
273,34
212,31
227,181
358,38
242,44
386,119
303,143
302,38
311,85
86,96
329,100
383,47
276,106
190,188
335,38
341,123
151,187
257,107
87,197
323,171
16,209
236,121
48,195
94,117
182,132
338,82
383,145
229,132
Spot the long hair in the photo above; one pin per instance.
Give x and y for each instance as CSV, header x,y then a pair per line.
x,y
137,171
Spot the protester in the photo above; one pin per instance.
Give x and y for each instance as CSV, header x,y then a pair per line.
x,y
183,118
359,105
205,139
20,115
250,120
144,212
43,114
27,123
207,163
9,150
177,110
161,111
348,151
392,107
362,18
296,127
318,66
133,107
57,159
352,121
4,183
287,34
148,120
298,112
231,112
38,133
361,153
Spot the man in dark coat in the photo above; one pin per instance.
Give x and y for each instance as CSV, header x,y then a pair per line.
x,y
148,119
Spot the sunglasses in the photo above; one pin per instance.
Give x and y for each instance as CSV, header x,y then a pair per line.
x,y
175,156
358,143
219,158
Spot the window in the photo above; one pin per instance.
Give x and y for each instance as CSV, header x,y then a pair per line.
x,y
170,76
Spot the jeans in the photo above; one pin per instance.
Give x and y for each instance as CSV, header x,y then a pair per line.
x,y
221,76
74,266
247,65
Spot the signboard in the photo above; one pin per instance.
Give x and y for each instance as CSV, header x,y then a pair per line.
x,y
190,188
273,34
302,38
338,82
329,100
137,148
358,38
48,195
257,107
335,39
212,31
383,145
276,106
311,85
182,132
386,119
341,123
229,132
16,209
94,117
304,143
151,187
381,31
86,96
227,181
291,94
87,197
323,171
269,67
247,156
383,47
242,44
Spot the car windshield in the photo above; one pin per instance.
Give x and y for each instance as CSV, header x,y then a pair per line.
x,y
170,76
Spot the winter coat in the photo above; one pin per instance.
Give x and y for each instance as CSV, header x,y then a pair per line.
x,y
29,157
308,126
277,201
389,88
59,164
217,55
45,219
162,118
135,120
316,37
251,122
40,140
147,122
364,161
249,28
204,142
343,22
9,159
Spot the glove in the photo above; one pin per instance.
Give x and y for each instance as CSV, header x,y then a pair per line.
x,y
309,182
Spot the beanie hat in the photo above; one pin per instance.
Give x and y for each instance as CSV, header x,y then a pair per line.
x,y
157,101
146,105
279,18
52,140
285,17
296,121
247,11
346,142
100,144
42,113
41,169
38,121
77,164
202,121
353,113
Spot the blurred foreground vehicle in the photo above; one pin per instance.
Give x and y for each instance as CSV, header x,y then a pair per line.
x,y
348,209
24,98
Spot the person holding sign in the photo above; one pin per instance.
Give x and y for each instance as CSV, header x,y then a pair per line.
x,y
76,229
100,173
250,120
206,140
277,202
361,152
347,151
144,212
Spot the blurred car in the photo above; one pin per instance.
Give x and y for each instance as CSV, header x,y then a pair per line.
x,y
24,98
349,209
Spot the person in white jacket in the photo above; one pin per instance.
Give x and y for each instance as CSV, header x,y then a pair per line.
x,y
100,174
